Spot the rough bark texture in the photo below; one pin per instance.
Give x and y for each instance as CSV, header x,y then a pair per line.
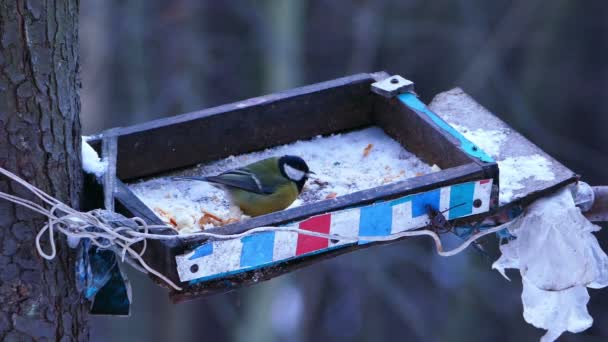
x,y
40,141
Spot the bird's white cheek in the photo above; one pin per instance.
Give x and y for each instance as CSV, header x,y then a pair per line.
x,y
294,174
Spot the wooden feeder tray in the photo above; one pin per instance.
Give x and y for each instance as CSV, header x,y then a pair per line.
x,y
336,106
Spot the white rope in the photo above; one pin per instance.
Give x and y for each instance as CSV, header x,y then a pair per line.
x,y
95,226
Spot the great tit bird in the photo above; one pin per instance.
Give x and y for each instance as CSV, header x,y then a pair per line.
x,y
265,186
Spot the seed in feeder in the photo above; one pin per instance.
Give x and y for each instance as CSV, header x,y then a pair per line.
x,y
205,221
367,150
231,220
320,183
338,160
166,216
331,195
206,213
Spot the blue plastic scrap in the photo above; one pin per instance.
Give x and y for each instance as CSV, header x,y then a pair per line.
x,y
114,298
100,280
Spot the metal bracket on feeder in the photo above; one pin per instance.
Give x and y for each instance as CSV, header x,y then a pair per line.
x,y
109,151
393,86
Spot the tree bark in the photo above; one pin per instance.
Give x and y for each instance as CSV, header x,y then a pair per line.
x,y
39,141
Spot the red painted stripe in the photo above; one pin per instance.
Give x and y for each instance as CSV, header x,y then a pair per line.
x,y
307,243
484,181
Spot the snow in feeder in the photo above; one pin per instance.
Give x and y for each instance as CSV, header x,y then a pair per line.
x,y
343,164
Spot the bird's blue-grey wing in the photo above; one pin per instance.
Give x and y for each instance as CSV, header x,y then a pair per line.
x,y
241,179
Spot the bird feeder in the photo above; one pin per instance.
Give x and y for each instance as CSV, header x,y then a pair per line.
x,y
466,189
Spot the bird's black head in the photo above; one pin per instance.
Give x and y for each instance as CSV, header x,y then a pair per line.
x,y
295,169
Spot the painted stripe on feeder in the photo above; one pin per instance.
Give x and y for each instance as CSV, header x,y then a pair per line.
x,y
461,200
226,257
285,244
401,216
421,201
444,199
376,220
257,249
483,192
202,251
223,258
344,223
403,219
307,243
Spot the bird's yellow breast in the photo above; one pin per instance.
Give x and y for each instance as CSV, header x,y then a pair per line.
x,y
255,204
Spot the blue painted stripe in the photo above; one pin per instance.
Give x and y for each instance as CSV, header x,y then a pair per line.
x,y
376,220
461,200
421,201
257,249
273,263
204,250
468,147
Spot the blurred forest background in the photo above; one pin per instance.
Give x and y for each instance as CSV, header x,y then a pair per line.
x,y
540,65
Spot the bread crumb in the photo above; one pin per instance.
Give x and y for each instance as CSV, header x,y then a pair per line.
x,y
367,150
331,195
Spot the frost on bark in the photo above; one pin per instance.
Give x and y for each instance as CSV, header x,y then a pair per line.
x,y
39,141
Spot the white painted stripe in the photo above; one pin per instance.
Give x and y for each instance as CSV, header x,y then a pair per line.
x,y
344,223
482,192
444,199
226,257
183,267
403,220
285,244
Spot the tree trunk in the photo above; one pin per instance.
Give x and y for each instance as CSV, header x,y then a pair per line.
x,y
39,141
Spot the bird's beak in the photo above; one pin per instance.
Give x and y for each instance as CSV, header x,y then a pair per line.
x,y
310,173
